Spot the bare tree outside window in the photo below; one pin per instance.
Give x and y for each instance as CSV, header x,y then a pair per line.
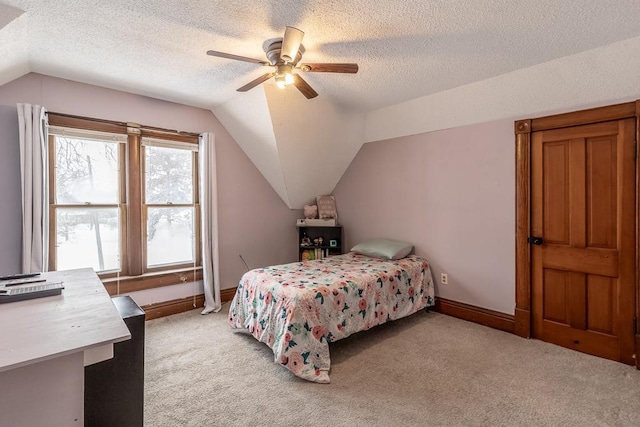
x,y
86,195
170,210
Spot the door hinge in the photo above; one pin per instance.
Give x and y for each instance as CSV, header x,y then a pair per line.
x,y
635,150
635,326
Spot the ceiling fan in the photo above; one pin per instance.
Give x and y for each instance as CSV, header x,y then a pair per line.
x,y
284,54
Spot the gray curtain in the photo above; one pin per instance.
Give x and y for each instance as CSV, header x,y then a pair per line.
x,y
34,166
209,222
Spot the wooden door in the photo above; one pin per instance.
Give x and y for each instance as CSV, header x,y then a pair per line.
x,y
583,208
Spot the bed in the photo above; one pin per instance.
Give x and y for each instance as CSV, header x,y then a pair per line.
x,y
297,309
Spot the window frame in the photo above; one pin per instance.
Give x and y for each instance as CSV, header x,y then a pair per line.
x,y
133,274
53,206
195,197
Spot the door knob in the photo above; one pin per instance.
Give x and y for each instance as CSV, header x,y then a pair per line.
x,y
535,240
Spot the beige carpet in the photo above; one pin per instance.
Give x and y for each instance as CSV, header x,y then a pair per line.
x,y
425,370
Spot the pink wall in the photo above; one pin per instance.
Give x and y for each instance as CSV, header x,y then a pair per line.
x,y
452,194
253,220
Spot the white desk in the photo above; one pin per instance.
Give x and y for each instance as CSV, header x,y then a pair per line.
x,y
45,344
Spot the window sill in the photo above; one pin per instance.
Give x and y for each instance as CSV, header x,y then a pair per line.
x,y
124,285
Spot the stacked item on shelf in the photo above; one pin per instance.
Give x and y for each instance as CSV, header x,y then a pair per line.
x,y
314,253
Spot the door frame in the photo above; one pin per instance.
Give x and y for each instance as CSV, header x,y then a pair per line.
x,y
523,129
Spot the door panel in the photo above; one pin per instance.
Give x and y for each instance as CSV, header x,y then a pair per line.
x,y
555,294
600,304
556,190
601,193
577,292
582,204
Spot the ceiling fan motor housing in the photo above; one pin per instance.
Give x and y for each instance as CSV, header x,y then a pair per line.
x,y
273,53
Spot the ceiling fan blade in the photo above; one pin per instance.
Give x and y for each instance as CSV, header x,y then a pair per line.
x,y
304,87
236,57
291,44
329,68
256,82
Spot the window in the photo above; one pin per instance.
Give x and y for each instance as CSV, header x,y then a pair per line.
x,y
169,206
123,199
86,199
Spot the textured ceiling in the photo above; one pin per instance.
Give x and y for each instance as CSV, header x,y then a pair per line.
x,y
8,14
405,49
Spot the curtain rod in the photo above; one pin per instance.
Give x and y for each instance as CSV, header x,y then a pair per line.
x,y
126,124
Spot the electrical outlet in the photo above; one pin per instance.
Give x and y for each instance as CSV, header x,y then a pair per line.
x,y
444,279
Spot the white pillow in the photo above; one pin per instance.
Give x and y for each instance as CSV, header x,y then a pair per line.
x,y
383,248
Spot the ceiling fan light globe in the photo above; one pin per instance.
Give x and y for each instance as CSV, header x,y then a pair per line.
x,y
288,79
281,81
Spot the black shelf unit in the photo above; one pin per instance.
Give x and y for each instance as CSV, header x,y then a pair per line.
x,y
328,234
114,388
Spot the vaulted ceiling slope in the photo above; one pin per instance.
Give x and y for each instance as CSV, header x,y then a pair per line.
x,y
419,61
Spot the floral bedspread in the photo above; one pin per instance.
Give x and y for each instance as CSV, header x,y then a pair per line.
x,y
297,309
